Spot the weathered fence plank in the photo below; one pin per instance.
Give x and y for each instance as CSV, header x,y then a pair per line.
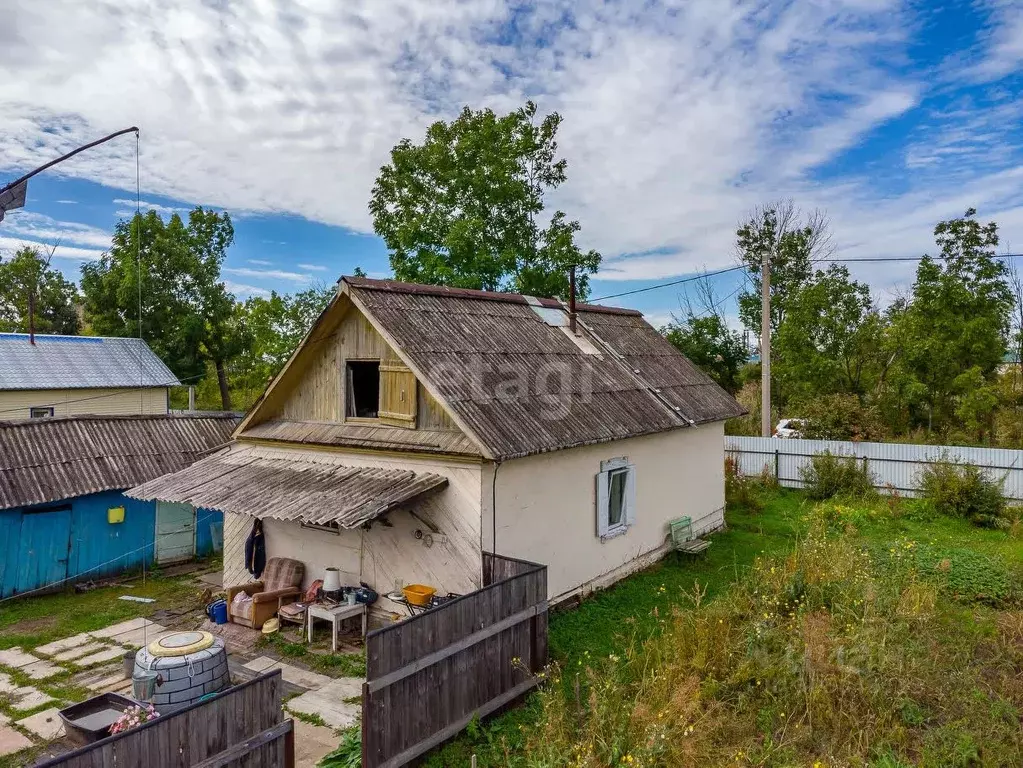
x,y
243,726
428,676
895,466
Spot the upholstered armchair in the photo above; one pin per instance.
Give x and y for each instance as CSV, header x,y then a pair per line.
x,y
280,584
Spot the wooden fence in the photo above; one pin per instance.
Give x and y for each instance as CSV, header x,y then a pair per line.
x,y
244,727
428,676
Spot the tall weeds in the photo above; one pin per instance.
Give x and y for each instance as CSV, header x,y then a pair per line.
x,y
820,658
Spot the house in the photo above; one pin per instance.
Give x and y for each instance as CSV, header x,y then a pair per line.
x,y
418,426
45,376
63,517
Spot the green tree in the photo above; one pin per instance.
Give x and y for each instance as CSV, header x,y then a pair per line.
x,y
958,320
225,334
188,316
828,340
464,207
792,242
276,325
709,343
26,274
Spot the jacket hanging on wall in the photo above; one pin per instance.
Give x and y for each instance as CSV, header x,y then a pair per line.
x,y
255,550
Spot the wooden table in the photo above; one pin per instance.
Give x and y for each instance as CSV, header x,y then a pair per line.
x,y
335,614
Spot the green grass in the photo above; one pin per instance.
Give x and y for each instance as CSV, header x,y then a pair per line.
x,y
39,619
36,620
978,569
333,664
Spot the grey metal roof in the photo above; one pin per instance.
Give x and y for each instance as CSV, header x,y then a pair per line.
x,y
46,460
523,386
79,362
252,481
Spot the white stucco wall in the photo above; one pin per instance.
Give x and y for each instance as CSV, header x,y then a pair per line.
x,y
382,555
546,505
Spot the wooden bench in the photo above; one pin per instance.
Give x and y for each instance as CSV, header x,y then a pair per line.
x,y
682,538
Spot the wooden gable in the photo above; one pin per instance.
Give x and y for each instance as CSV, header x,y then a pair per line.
x,y
312,385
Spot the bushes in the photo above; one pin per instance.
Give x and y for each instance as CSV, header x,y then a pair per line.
x,y
743,492
830,475
837,417
963,490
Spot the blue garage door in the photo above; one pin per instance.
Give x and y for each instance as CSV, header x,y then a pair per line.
x,y
43,555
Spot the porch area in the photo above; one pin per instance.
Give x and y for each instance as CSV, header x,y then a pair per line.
x,y
306,532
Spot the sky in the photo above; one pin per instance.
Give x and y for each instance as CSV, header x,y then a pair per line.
x,y
679,118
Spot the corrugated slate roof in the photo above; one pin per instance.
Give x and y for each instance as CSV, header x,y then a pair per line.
x,y
79,362
364,436
48,460
261,483
522,386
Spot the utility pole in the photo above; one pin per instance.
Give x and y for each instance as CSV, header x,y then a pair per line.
x,y
765,345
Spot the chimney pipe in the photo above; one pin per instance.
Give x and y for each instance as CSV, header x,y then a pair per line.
x,y
32,318
571,301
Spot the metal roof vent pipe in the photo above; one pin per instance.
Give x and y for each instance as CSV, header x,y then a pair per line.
x,y
571,301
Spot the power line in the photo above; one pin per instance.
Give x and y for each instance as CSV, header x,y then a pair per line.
x,y
665,285
865,260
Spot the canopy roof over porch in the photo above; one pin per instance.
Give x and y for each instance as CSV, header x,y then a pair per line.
x,y
262,482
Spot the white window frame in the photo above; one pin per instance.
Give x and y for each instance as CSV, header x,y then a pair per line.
x,y
34,408
608,469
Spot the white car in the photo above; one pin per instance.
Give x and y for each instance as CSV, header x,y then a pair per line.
x,y
789,428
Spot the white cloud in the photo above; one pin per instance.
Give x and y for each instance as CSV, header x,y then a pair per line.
x,y
678,117
312,267
8,245
50,231
241,290
67,202
270,274
1004,40
129,210
260,262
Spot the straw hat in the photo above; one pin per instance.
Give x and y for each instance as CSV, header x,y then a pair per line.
x,y
271,625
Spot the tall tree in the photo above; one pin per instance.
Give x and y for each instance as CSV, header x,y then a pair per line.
x,y
793,242
277,324
187,313
28,273
225,335
958,320
828,339
464,208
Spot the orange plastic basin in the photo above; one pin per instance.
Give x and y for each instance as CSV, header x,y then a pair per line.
x,y
418,594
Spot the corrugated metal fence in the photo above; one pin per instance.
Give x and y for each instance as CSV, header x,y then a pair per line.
x,y
893,465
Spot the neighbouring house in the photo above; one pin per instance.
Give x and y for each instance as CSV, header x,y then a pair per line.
x,y
47,376
417,427
63,517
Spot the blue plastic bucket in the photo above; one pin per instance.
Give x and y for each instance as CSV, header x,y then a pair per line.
x,y
217,611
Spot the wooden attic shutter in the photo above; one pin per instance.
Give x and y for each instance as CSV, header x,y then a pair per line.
x,y
397,395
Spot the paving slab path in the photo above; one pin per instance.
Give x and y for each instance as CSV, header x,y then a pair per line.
x,y
329,702
12,741
47,724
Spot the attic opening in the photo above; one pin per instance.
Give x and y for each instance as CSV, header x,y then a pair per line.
x,y
363,388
